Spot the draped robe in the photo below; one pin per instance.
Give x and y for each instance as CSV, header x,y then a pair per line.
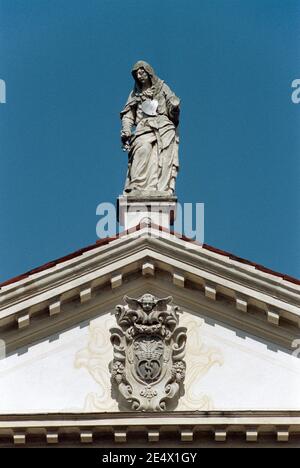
x,y
153,156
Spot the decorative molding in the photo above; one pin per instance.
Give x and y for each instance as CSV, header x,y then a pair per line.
x,y
273,316
127,254
86,437
55,307
251,435
148,269
210,291
178,279
220,435
85,294
23,320
283,435
153,436
187,435
241,303
116,280
189,297
268,287
273,427
52,437
149,348
19,438
120,436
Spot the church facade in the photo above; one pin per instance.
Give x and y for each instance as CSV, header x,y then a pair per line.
x,y
149,339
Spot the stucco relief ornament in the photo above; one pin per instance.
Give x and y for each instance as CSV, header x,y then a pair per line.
x,y
149,348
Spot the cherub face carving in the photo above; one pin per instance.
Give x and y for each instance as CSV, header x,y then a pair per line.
x,y
147,302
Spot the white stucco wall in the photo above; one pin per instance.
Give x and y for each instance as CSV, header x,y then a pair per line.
x,y
224,372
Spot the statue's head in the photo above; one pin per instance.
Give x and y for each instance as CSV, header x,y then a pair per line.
x,y
142,72
142,76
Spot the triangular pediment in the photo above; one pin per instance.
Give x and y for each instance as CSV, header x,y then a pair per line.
x,y
234,293
240,324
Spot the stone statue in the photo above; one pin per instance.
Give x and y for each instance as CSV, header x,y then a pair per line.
x,y
152,109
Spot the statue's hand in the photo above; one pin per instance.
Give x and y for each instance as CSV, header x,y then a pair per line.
x,y
125,136
125,139
173,102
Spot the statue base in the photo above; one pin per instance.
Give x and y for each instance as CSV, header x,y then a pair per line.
x,y
155,207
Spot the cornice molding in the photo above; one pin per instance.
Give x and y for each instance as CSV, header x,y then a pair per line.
x,y
191,300
180,427
190,268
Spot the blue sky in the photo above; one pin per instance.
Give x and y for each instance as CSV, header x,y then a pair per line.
x,y
66,64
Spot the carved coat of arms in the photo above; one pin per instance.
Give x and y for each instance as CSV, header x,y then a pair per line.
x,y
149,348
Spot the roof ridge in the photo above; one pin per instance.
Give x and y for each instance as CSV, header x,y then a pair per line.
x,y
138,227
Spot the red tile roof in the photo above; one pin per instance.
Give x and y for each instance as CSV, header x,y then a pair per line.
x,y
107,240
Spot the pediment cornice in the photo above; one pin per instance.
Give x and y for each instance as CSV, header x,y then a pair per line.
x,y
273,303
175,428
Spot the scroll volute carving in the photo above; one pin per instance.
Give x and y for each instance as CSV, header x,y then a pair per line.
x,y
149,348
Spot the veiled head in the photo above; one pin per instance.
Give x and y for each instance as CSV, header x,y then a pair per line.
x,y
142,76
141,72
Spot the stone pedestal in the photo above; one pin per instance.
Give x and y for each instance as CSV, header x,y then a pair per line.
x,y
159,208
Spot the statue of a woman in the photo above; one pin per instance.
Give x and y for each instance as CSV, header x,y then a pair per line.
x,y
149,134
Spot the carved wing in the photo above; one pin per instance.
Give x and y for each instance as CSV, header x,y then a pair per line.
x,y
133,303
161,304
